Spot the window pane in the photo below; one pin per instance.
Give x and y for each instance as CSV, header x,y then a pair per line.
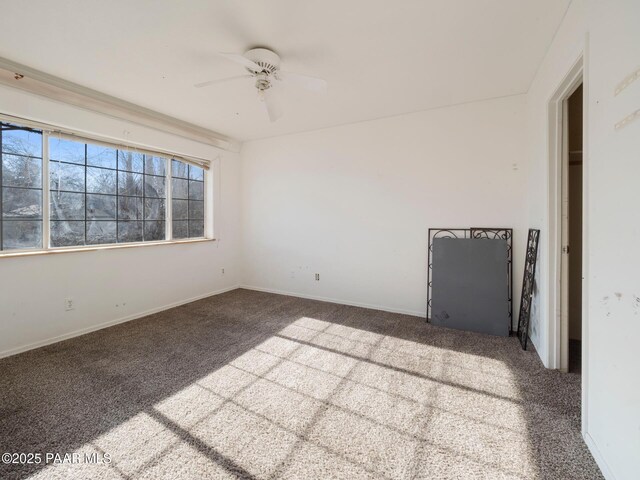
x,y
21,142
100,180
21,171
196,228
130,161
101,207
101,232
154,230
67,206
180,229
130,184
154,186
196,173
65,233
129,208
155,165
196,210
19,234
66,177
99,156
179,188
154,209
66,150
179,169
20,187
180,209
21,203
196,190
129,231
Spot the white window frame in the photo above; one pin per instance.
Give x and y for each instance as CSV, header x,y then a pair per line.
x,y
49,130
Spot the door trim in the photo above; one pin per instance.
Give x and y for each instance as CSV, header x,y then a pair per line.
x,y
558,344
558,352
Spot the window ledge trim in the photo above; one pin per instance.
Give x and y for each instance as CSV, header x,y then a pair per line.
x,y
96,248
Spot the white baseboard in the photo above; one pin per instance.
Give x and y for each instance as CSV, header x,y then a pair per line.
x,y
100,326
413,313
597,456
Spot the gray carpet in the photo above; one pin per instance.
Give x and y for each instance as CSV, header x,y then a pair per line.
x,y
262,386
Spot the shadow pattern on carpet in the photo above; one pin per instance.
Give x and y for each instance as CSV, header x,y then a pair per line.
x,y
260,386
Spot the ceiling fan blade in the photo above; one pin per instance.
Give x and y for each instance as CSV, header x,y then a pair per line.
x,y
245,62
272,103
305,81
221,80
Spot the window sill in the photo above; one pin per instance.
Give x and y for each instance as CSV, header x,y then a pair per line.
x,y
56,251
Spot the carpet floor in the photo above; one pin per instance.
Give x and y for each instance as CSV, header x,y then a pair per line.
x,y
261,386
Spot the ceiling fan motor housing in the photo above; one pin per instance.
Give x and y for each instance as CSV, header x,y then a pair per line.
x,y
268,60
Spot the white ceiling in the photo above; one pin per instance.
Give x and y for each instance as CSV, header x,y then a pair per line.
x,y
380,57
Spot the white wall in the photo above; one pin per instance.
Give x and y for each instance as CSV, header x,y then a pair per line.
x,y
353,203
111,285
612,169
607,34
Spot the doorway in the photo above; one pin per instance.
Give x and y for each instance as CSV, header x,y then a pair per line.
x,y
565,275
572,233
562,280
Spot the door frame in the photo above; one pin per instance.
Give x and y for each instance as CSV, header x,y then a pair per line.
x,y
558,198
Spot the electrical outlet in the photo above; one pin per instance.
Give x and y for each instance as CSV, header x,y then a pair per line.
x,y
223,271
68,304
317,277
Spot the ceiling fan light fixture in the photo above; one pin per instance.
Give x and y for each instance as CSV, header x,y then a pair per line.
x,y
263,82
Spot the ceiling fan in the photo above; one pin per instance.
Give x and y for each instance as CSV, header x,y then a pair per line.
x,y
263,65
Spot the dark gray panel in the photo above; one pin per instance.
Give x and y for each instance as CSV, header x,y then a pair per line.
x,y
470,285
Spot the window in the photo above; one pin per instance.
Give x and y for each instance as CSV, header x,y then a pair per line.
x,y
187,200
20,187
98,194
104,195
